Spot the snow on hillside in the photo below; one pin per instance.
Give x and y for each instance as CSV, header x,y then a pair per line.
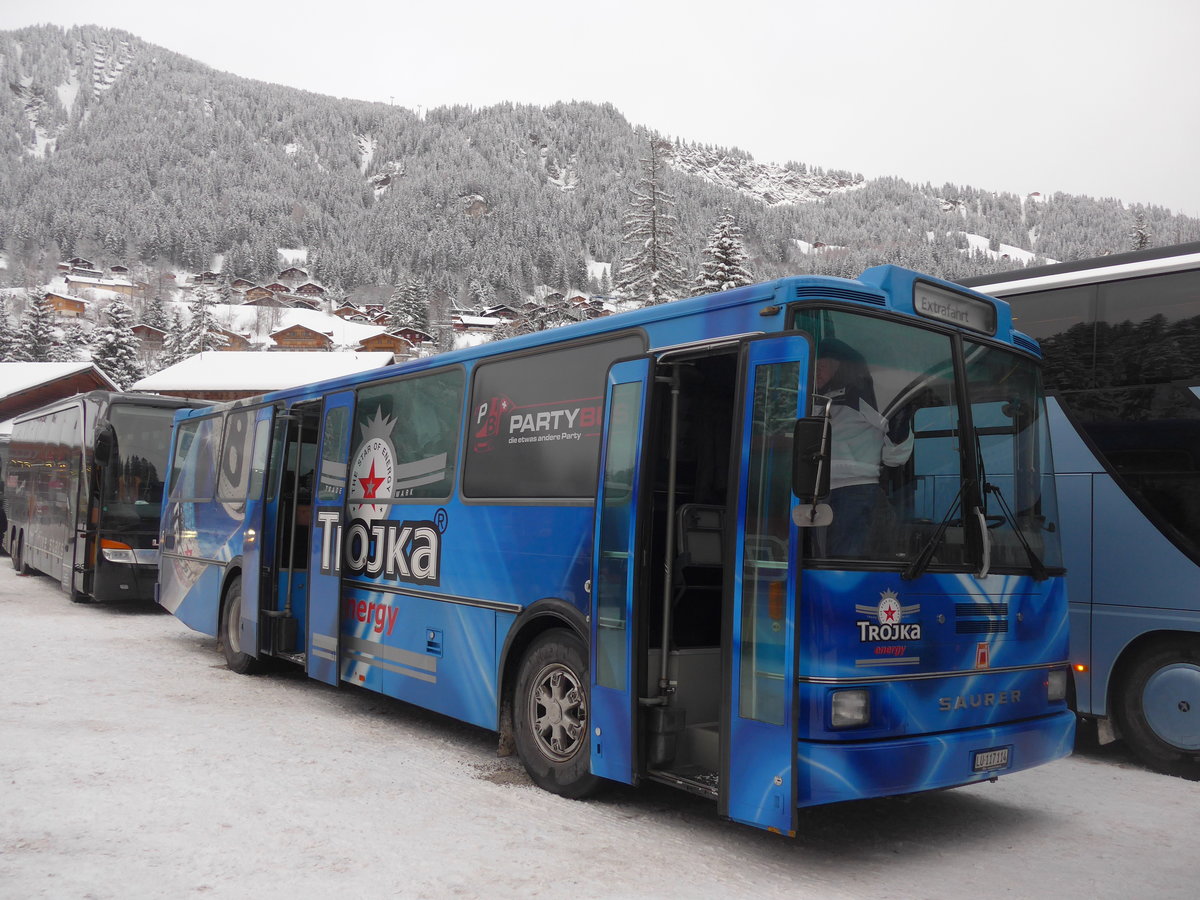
x,y
772,184
979,244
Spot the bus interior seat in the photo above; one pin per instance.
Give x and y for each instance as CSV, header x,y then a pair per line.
x,y
699,575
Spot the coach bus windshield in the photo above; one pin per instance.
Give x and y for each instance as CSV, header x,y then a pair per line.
x,y
132,482
906,475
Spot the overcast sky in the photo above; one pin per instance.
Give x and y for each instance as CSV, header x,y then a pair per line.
x,y
1096,97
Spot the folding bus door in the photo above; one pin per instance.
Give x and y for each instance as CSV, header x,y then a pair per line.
x,y
329,503
614,572
758,750
255,534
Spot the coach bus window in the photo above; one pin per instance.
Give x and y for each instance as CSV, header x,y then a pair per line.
x,y
197,445
1013,445
533,436
896,467
406,439
132,482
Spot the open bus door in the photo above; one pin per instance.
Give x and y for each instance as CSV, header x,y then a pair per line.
x,y
256,533
615,569
758,740
324,582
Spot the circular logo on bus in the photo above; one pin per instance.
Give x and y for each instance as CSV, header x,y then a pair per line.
x,y
890,610
373,470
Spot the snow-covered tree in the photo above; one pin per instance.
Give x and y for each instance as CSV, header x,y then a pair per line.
x,y
156,314
203,333
1139,234
8,340
115,347
175,343
409,305
724,266
36,332
651,272
71,342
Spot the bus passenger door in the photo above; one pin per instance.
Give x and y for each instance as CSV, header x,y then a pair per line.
x,y
256,535
758,742
615,565
324,565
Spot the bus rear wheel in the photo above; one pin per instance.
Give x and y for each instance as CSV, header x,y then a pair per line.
x,y
551,715
230,633
18,555
1158,709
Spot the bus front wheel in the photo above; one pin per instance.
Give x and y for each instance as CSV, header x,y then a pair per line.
x,y
551,714
1158,709
231,642
18,555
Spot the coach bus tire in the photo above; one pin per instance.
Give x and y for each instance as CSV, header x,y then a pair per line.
x,y
551,715
1158,708
18,556
231,645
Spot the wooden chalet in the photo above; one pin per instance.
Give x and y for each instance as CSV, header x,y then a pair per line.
x,y
119,270
301,337
152,338
65,305
235,341
309,289
392,343
278,288
242,284
84,283
301,302
414,336
26,386
207,278
381,318
292,274
258,293
348,311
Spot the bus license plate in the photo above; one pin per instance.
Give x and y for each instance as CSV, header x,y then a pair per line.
x,y
986,760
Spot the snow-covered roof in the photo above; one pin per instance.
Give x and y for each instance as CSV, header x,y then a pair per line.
x,y
228,370
99,282
245,319
16,377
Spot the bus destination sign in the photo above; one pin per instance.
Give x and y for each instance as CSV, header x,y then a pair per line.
x,y
957,309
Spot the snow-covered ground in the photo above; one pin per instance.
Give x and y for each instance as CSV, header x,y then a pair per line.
x,y
134,764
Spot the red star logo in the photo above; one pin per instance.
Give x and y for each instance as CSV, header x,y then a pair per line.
x,y
890,613
370,484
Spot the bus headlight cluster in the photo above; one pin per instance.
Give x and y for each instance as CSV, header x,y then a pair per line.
x,y
1056,685
850,709
116,552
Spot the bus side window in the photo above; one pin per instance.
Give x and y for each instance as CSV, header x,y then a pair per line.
x,y
234,476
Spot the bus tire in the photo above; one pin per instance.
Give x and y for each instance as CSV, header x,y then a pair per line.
x,y
1158,708
18,555
550,710
230,637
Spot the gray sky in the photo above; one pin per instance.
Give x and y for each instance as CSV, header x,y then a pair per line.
x,y
1096,97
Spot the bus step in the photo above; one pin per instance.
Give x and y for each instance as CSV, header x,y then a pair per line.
x,y
297,658
692,779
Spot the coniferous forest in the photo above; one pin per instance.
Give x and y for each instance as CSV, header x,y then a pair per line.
x,y
118,150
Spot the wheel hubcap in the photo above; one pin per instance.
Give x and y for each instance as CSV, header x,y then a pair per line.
x,y
557,712
1169,701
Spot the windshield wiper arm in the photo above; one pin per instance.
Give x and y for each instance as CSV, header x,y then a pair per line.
x,y
1035,562
921,563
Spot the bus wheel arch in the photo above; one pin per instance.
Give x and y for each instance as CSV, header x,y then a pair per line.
x,y
1155,699
228,630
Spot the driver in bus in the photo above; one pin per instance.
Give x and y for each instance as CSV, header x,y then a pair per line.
x,y
862,443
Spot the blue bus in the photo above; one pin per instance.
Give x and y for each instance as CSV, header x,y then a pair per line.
x,y
790,544
1121,337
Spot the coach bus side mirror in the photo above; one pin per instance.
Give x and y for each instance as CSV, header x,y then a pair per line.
x,y
810,471
102,452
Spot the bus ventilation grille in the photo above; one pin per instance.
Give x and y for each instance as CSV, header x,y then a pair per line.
x,y
981,618
827,293
1026,343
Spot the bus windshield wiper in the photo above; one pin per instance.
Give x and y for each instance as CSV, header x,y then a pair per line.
x,y
921,563
1036,565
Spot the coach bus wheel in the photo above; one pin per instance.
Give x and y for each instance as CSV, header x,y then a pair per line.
x,y
18,555
551,713
1158,709
230,637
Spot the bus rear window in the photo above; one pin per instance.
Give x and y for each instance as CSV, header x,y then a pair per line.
x,y
194,472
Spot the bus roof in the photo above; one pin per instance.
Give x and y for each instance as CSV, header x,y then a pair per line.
x,y
1137,263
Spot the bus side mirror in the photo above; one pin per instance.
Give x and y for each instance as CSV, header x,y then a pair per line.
x,y
810,472
102,452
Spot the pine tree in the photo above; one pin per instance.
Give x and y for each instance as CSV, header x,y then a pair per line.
x,y
115,347
8,340
651,273
72,343
1140,233
156,314
725,265
409,305
36,332
175,343
202,333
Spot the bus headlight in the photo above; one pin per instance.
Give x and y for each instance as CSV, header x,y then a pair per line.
x,y
116,552
1056,685
851,709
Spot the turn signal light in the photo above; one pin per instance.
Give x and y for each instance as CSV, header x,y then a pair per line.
x,y
115,551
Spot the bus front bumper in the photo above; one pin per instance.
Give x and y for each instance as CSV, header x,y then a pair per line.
x,y
836,772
